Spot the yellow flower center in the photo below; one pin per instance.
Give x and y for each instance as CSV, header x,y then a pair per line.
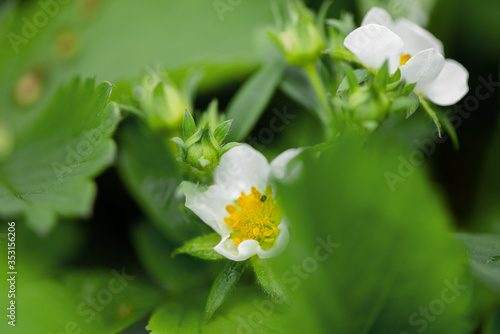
x,y
255,217
403,59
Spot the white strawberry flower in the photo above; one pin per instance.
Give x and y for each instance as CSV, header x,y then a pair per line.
x,y
241,205
415,51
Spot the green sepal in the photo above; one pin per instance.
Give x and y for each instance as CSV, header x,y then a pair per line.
x,y
395,77
181,144
223,286
221,131
268,280
360,76
227,147
408,104
188,125
194,138
448,126
432,114
211,147
382,76
345,55
408,89
201,247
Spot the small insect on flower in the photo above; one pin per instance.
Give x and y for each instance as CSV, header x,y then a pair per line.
x,y
415,51
242,205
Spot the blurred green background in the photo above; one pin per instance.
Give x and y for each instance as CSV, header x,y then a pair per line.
x,y
396,248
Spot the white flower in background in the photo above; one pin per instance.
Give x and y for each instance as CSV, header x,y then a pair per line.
x,y
417,52
241,205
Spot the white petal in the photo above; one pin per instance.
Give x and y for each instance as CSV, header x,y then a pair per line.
x,y
241,168
249,248
378,16
374,44
450,86
280,243
279,164
245,249
210,206
423,68
415,37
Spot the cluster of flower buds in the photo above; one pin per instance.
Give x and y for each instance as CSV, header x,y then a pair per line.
x,y
202,145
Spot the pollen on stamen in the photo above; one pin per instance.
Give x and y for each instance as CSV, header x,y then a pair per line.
x,y
254,217
403,59
257,194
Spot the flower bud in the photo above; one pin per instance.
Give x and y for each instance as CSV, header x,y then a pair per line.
x,y
301,42
162,101
202,147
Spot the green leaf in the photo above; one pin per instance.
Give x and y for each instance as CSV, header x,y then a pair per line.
x,y
188,125
221,57
86,300
201,247
123,95
221,131
149,170
223,286
68,145
321,17
351,80
154,251
297,86
360,76
250,101
394,256
268,279
483,251
245,312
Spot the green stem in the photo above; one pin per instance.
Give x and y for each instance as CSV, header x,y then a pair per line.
x,y
325,113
